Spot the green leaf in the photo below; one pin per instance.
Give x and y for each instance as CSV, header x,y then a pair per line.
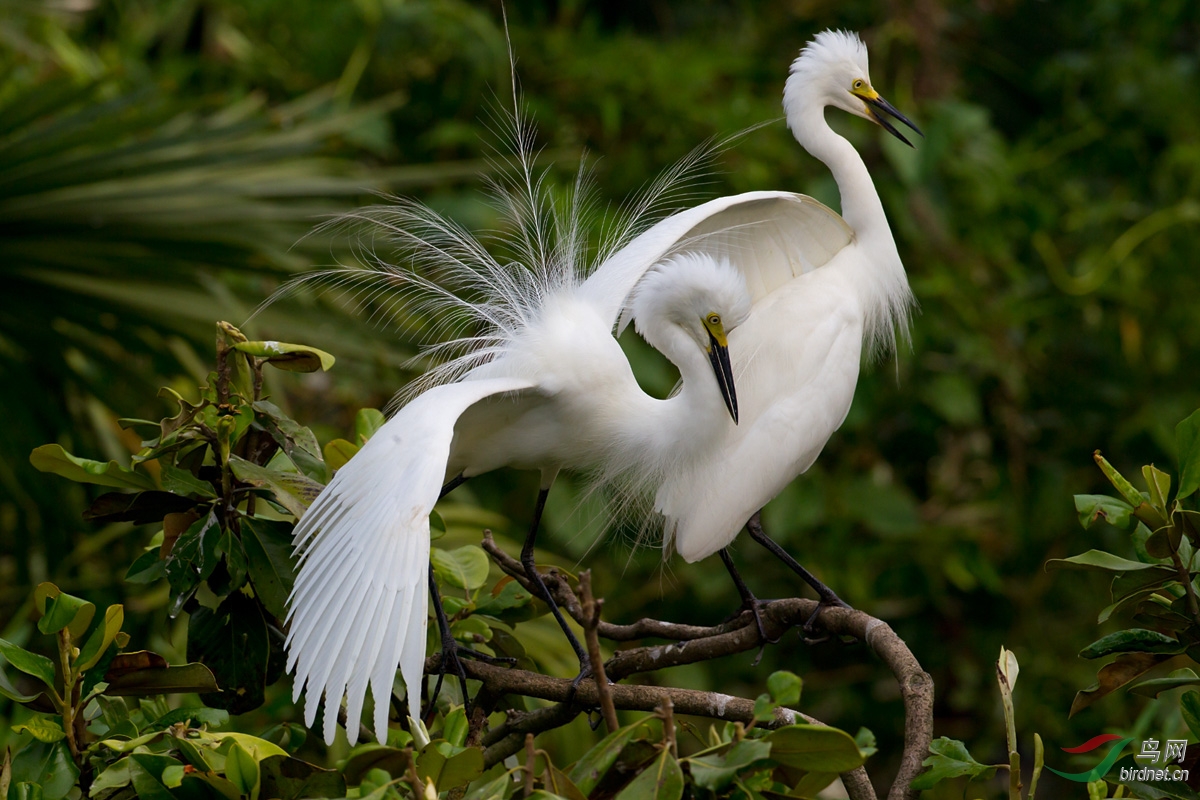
x,y
241,769
1098,560
181,482
784,687
1133,640
41,727
195,716
116,776
233,642
148,681
465,567
509,601
1160,486
369,756
595,764
449,771
949,759
717,771
292,490
26,791
101,638
456,727
1119,481
64,610
1155,686
57,461
147,568
140,508
49,765
499,788
297,442
193,557
33,664
145,773
1187,438
338,453
268,547
1093,507
814,747
1113,676
366,422
662,779
290,778
1189,706
8,690
290,357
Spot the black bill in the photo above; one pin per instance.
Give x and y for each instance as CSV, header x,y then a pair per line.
x,y
718,354
877,104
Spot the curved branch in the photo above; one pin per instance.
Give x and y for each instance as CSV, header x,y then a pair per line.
x,y
691,644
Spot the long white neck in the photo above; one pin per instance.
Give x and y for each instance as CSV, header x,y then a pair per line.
x,y
883,283
674,430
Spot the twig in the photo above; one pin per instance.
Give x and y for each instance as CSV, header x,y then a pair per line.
x,y
591,616
530,763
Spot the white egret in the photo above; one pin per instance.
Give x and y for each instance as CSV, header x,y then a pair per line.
x,y
557,393
823,287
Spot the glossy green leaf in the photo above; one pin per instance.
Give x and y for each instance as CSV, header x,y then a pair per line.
x,y
26,791
181,482
717,771
42,728
366,422
1176,679
949,759
662,779
183,679
814,747
1098,560
1159,483
456,727
499,788
465,567
101,638
1134,640
1187,439
297,442
268,546
145,773
147,568
338,453
1094,507
115,776
57,461
290,357
292,490
60,610
511,603
49,765
193,557
33,664
785,687
449,771
595,764
7,689
233,642
369,756
241,769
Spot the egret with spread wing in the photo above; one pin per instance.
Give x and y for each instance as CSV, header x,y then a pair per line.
x,y
823,285
545,386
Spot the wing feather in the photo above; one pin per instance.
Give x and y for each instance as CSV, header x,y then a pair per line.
x,y
771,236
360,603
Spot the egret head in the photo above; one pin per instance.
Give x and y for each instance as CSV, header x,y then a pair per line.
x,y
831,70
699,298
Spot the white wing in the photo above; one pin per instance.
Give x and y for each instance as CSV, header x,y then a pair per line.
x,y
360,603
771,236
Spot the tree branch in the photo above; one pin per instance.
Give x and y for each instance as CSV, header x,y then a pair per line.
x,y
691,644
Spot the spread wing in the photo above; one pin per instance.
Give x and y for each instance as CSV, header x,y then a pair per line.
x,y
770,236
360,603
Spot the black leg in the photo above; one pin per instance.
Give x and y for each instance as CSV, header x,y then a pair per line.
x,y
827,596
585,663
749,601
452,652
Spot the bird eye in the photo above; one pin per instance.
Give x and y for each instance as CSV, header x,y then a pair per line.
x,y
714,319
858,84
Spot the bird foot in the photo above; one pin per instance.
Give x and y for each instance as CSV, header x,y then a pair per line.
x,y
828,600
451,660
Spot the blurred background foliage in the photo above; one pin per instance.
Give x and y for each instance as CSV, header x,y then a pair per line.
x,y
162,160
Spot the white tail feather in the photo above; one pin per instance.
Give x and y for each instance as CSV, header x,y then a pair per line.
x,y
360,603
